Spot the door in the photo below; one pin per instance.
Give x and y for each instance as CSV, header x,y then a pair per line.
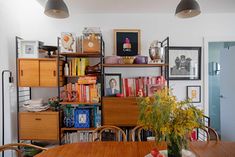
x,y
48,73
28,73
227,97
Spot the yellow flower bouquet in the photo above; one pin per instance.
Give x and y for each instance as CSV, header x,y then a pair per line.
x,y
169,119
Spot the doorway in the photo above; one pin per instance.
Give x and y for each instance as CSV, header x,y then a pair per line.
x,y
221,76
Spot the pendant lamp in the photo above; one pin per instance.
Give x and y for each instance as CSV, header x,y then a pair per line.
x,y
187,9
56,9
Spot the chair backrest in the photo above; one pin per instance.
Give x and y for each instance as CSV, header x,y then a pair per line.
x,y
16,147
206,134
137,131
108,133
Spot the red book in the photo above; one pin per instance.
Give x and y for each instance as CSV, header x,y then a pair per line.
x,y
126,86
137,86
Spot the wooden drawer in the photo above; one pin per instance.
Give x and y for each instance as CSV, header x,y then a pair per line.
x,y
120,111
39,125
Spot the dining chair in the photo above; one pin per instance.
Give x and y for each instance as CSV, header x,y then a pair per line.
x,y
16,147
141,134
108,133
206,134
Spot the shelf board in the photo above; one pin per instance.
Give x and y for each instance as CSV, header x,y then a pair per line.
x,y
76,129
77,54
134,65
79,103
80,76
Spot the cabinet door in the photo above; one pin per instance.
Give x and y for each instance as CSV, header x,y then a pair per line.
x,y
39,125
28,73
48,73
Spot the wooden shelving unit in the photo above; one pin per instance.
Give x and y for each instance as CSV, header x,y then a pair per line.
x,y
93,107
79,103
77,129
78,54
134,65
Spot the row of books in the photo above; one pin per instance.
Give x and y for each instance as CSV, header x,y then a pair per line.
x,y
77,66
78,136
142,86
85,90
82,116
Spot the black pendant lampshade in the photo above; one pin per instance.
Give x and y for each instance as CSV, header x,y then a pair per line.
x,y
187,9
56,9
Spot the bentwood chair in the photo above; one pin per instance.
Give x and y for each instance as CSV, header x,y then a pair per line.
x,y
206,134
138,131
16,147
108,133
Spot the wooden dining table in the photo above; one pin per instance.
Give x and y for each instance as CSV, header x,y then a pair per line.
x,y
135,149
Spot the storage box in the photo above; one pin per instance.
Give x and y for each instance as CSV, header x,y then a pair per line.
x,y
91,42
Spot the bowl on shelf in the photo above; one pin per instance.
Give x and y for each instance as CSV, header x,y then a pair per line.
x,y
112,59
128,59
141,60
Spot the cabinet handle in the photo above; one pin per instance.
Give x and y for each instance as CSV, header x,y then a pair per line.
x,y
38,119
54,73
21,72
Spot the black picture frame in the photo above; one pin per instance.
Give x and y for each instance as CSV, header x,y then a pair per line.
x,y
108,91
190,68
120,46
194,93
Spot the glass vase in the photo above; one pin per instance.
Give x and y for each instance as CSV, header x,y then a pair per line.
x,y
174,147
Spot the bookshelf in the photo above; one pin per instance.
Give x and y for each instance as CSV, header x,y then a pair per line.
x,y
84,100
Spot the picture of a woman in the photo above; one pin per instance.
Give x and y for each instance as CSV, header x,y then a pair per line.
x,y
112,84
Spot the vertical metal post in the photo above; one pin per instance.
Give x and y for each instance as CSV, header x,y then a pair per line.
x,y
58,83
17,86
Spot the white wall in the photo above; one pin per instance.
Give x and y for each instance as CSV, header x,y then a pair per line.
x,y
8,30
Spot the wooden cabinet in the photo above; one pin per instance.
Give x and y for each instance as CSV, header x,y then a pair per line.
x,y
39,72
39,125
120,111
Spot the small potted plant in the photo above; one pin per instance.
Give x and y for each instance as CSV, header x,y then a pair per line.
x,y
170,120
54,103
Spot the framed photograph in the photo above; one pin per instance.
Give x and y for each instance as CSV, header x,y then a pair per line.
x,y
194,93
81,118
112,84
127,42
29,49
184,63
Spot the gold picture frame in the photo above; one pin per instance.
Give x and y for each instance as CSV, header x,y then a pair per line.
x,y
127,42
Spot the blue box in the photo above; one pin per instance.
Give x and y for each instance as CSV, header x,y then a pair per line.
x,y
81,118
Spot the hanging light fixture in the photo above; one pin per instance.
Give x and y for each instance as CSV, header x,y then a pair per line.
x,y
56,9
187,9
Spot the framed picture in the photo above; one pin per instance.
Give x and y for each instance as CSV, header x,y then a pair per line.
x,y
184,63
68,42
81,118
194,93
112,84
29,49
127,42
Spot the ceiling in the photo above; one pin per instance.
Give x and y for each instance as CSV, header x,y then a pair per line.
x,y
143,6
